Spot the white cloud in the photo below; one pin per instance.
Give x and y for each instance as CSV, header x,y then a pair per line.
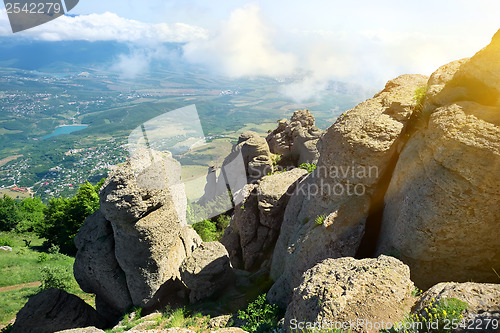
x,y
106,26
242,46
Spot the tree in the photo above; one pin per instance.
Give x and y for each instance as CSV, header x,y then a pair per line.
x,y
9,213
31,215
64,217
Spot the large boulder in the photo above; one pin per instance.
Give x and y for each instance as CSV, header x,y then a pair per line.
x,y
296,138
249,161
483,304
55,310
346,290
326,215
441,213
256,155
143,204
96,269
151,250
256,222
146,182
206,271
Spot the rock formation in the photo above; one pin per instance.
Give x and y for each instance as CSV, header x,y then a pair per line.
x,y
441,214
483,303
256,222
55,310
346,290
356,152
149,241
96,268
296,138
249,161
206,271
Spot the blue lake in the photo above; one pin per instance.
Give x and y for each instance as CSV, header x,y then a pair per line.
x,y
65,129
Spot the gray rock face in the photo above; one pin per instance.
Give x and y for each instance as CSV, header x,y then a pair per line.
x,y
355,152
149,238
96,268
256,155
206,271
345,290
150,251
441,213
297,137
142,185
483,303
55,310
257,219
249,161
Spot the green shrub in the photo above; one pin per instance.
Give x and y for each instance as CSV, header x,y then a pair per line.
x,y
63,217
259,316
55,277
54,249
212,230
308,166
42,257
206,229
419,96
437,317
222,222
320,219
6,241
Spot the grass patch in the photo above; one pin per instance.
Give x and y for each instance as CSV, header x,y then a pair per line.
x,y
320,219
21,265
12,301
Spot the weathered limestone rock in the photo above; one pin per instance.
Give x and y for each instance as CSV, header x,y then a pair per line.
x,y
256,155
345,290
149,240
297,138
249,161
219,321
55,310
206,271
257,220
151,251
143,184
441,214
483,303
356,151
96,269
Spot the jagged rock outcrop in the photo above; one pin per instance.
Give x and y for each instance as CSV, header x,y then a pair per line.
x,y
249,161
206,271
256,155
483,302
96,268
441,214
55,310
150,239
346,290
356,152
150,180
296,138
151,250
256,222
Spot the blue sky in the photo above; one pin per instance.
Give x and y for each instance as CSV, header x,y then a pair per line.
x,y
360,41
